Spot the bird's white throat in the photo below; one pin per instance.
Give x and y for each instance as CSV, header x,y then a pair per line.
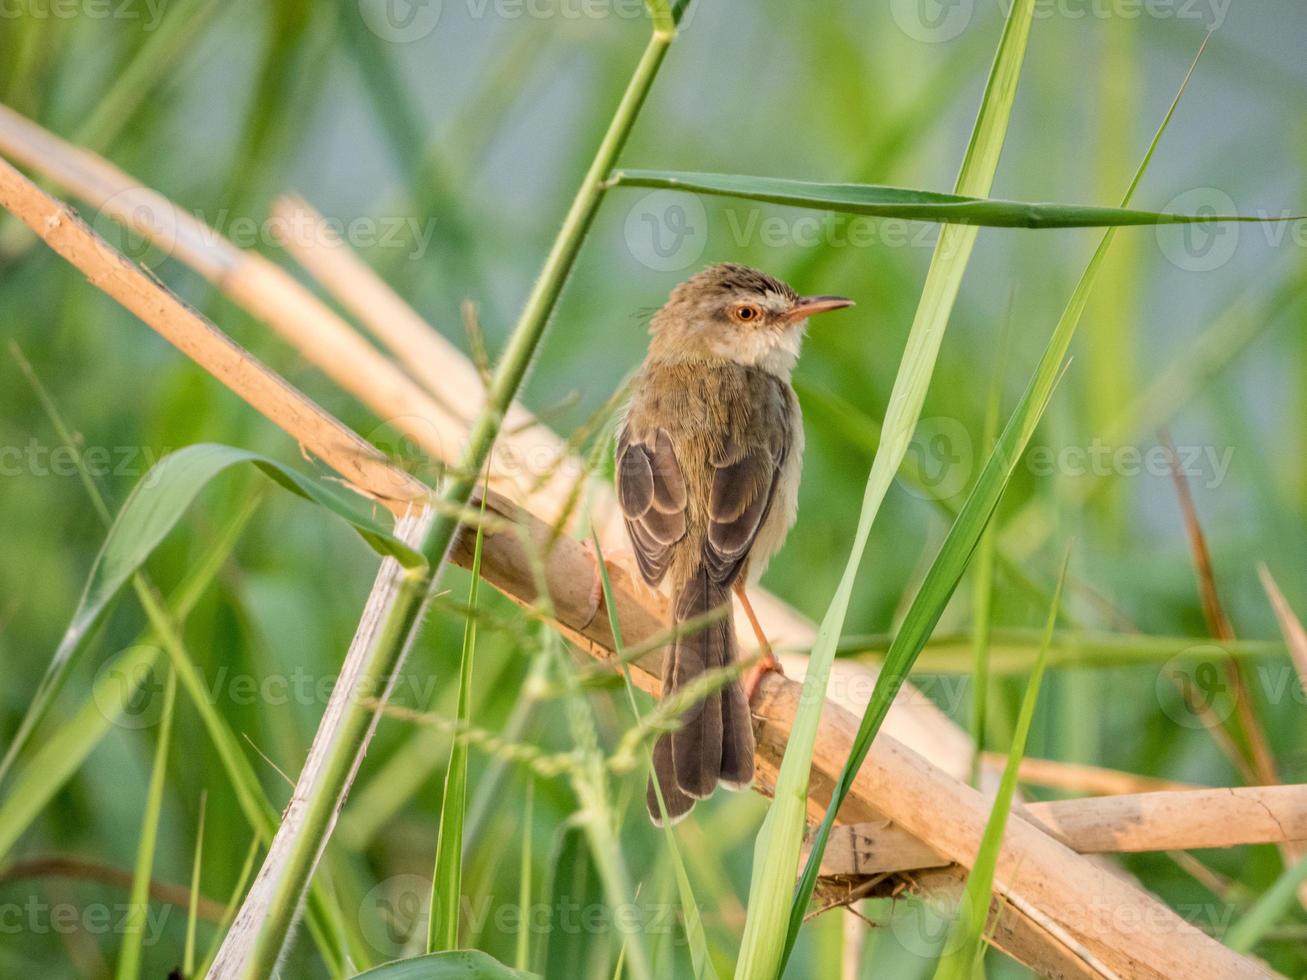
x,y
775,354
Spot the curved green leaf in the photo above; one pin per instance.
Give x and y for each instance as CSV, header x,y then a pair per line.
x,y
459,964
959,544
881,201
966,946
153,509
768,939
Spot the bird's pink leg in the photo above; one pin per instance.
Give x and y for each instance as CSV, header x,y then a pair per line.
x,y
767,661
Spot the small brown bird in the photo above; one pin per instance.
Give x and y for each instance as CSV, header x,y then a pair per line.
x,y
708,463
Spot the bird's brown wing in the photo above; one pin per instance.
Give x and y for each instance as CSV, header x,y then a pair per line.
x,y
652,494
743,488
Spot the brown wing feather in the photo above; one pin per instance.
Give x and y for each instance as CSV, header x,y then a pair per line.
x,y
651,492
743,488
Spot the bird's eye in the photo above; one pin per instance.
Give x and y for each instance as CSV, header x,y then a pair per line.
x,y
747,313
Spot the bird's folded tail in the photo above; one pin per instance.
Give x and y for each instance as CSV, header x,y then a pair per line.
x,y
715,741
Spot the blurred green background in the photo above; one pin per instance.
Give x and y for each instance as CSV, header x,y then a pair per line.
x,y
447,139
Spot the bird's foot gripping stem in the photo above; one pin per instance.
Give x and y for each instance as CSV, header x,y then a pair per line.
x,y
767,661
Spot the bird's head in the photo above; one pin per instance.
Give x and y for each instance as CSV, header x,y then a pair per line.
x,y
731,312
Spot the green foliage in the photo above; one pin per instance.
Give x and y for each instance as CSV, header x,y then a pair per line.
x,y
462,964
966,946
448,160
775,917
914,205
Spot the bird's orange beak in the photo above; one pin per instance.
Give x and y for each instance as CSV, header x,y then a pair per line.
x,y
808,305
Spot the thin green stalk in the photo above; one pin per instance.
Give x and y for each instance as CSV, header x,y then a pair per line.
x,y
767,943
589,779
447,878
966,947
522,960
77,738
1268,909
694,933
1012,650
401,621
129,958
982,594
229,914
958,547
155,60
192,917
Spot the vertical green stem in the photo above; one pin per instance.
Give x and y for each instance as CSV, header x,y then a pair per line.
x,y
401,621
129,959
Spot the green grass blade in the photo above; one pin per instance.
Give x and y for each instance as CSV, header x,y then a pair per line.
x,y
522,957
860,429
447,880
967,944
129,957
949,564
155,505
324,921
192,917
595,816
462,964
155,62
982,592
1013,650
233,903
767,943
1268,910
120,686
880,201
63,753
693,922
275,917
113,694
